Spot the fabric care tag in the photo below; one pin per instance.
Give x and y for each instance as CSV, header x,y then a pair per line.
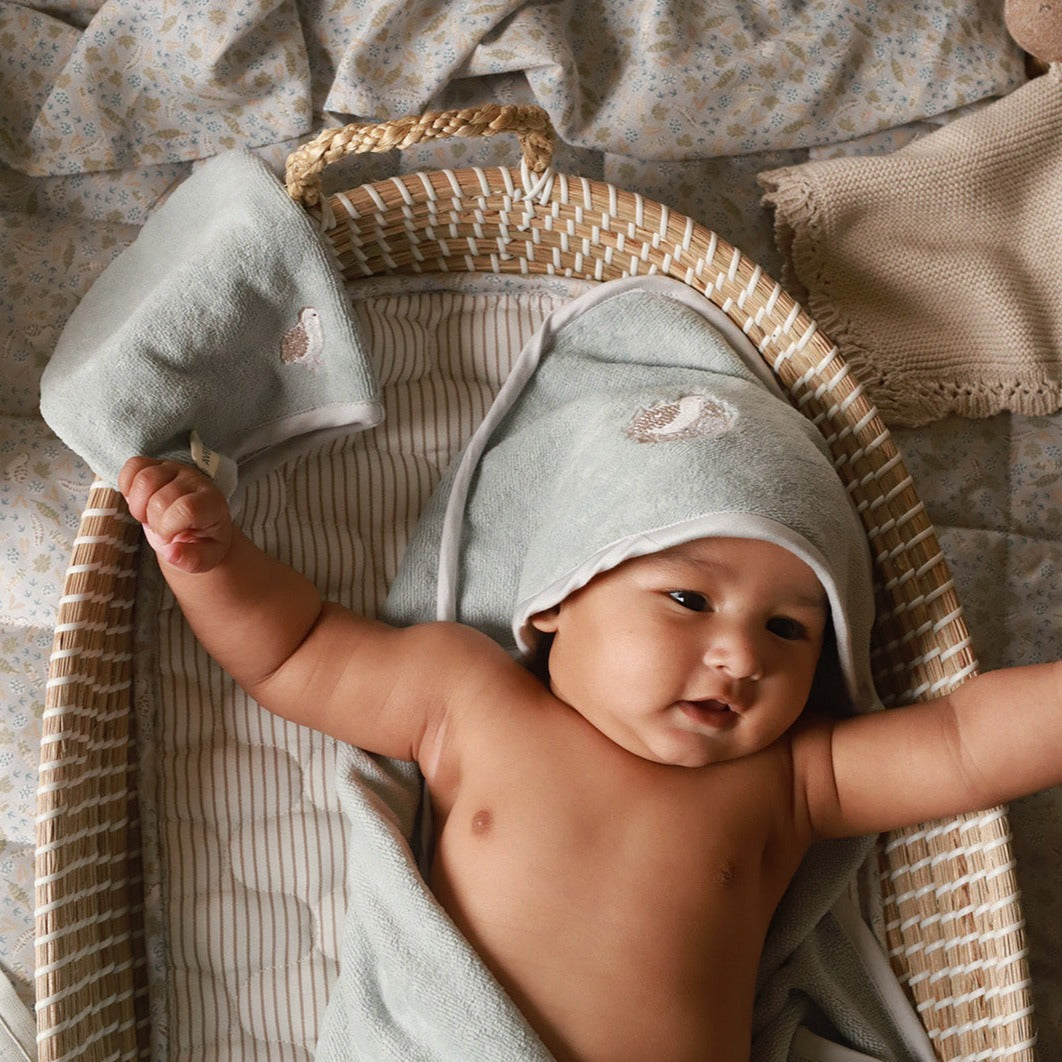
x,y
206,460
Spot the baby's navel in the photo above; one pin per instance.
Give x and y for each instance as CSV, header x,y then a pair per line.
x,y
482,822
726,874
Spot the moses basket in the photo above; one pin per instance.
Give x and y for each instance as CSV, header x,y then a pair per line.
x,y
953,916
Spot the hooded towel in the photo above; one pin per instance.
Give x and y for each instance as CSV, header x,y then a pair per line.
x,y
638,418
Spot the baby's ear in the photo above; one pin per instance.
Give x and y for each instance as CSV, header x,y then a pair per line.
x,y
546,622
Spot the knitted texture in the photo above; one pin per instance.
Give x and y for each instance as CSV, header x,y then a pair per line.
x,y
935,269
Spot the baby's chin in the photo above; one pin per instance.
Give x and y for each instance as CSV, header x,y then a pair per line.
x,y
679,751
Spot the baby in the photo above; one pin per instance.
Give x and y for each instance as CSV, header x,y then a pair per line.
x,y
613,841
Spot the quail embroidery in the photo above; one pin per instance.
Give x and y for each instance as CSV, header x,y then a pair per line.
x,y
304,343
688,417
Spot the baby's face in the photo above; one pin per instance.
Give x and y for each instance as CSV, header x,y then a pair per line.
x,y
694,655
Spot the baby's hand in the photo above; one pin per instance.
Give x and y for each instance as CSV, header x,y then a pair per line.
x,y
186,518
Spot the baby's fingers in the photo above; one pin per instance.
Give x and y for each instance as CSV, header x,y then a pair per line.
x,y
140,478
155,492
187,551
185,516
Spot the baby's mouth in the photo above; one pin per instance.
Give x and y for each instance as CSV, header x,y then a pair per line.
x,y
709,712
711,704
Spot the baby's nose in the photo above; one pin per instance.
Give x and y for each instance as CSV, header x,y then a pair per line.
x,y
735,652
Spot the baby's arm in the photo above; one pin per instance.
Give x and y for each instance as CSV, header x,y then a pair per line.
x,y
997,737
383,688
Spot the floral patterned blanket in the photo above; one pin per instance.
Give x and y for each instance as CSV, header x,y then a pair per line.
x,y
685,102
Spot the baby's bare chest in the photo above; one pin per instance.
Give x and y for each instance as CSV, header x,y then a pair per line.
x,y
713,838
581,873
548,788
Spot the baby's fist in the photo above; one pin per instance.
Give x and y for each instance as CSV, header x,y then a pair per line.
x,y
186,518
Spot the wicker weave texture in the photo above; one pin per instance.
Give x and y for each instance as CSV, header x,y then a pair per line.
x,y
91,995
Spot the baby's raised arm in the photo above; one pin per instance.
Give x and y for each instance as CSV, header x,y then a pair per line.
x,y
383,688
997,737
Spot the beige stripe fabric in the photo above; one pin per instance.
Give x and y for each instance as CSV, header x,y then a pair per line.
x,y
246,877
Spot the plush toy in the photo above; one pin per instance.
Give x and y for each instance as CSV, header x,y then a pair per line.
x,y
1037,26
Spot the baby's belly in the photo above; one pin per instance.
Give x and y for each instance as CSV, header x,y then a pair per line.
x,y
610,961
619,1005
622,904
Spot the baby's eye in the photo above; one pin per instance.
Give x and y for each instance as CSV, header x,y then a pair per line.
x,y
690,599
789,629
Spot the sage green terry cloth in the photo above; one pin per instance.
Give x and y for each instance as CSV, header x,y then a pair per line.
x,y
226,318
631,423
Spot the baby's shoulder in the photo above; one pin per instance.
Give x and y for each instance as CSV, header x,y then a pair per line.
x,y
458,658
480,692
809,746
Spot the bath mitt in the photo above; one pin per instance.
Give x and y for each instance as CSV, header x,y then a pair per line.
x,y
221,331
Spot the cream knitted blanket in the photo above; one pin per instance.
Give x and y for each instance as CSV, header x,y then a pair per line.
x,y
938,269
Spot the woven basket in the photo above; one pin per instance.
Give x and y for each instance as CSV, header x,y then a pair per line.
x,y
954,922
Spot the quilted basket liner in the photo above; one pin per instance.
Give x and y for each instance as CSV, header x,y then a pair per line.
x,y
953,921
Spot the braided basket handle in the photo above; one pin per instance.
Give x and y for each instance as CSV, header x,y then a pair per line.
x,y
531,124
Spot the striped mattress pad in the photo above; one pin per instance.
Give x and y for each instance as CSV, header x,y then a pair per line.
x,y
245,846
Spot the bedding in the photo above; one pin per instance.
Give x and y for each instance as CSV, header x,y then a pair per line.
x,y
328,511
106,106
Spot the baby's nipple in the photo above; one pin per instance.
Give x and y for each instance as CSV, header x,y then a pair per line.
x,y
482,822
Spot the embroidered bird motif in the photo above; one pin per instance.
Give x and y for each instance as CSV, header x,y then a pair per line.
x,y
304,343
689,417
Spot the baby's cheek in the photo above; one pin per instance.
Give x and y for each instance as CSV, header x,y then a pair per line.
x,y
637,665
